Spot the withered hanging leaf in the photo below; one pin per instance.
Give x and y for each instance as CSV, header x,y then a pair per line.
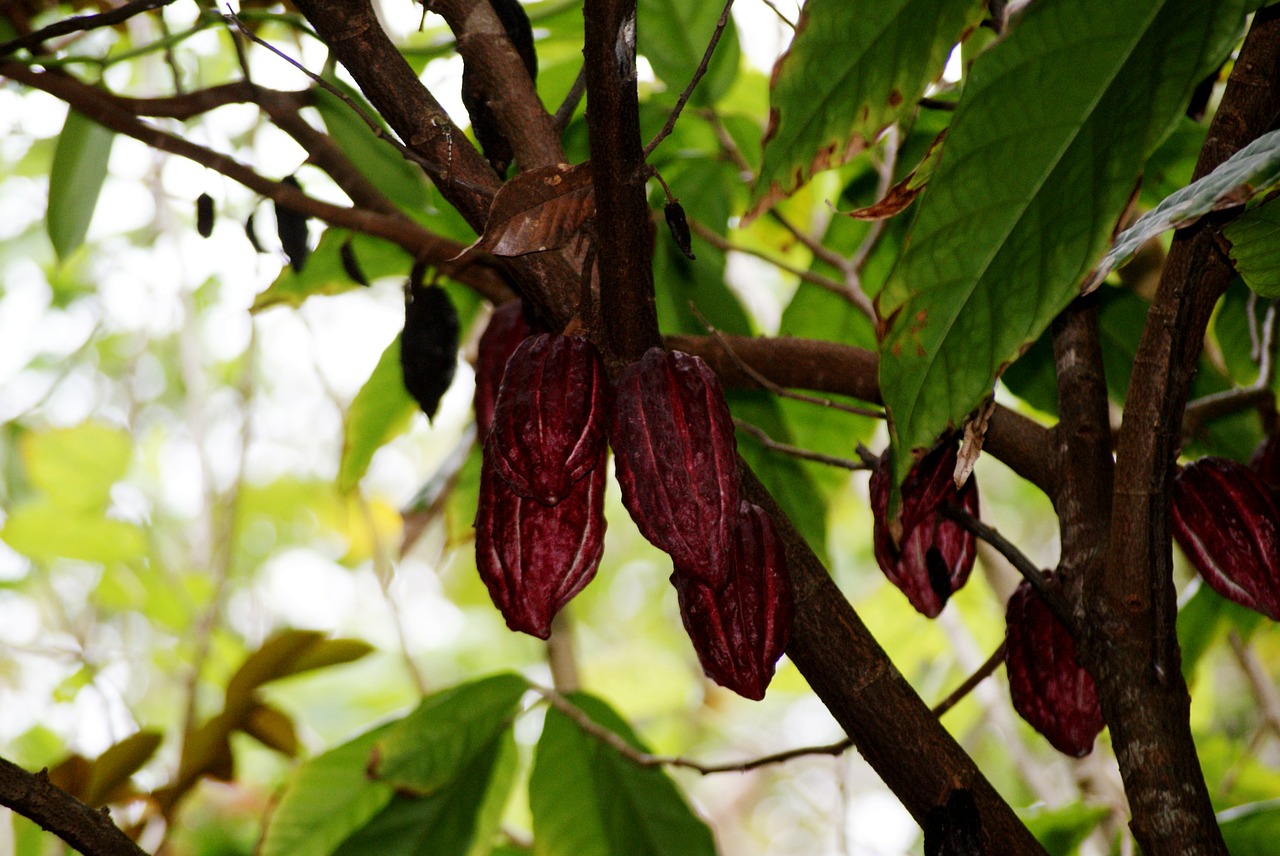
x,y
204,215
903,193
428,345
251,232
537,210
497,149
679,226
291,226
351,264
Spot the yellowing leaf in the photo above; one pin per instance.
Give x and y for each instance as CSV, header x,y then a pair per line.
x,y
75,467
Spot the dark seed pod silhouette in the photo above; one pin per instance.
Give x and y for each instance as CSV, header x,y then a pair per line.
x,y
1049,687
350,264
204,215
741,630
532,557
676,460
291,226
251,232
507,328
954,829
678,224
1227,520
549,422
934,556
494,143
428,345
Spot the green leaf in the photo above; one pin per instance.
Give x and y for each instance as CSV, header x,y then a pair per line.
x,y
447,732
455,821
324,273
673,35
1255,248
851,71
76,467
680,283
588,800
1050,135
120,761
380,412
1203,619
1250,171
79,169
326,800
1251,829
44,531
289,652
1063,830
387,169
272,728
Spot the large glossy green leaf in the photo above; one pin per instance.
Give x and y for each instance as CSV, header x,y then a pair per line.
x,y
674,34
588,800
852,70
1047,143
447,732
326,800
387,169
1255,248
79,169
380,412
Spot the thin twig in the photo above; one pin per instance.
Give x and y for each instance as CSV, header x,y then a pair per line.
x,y
795,451
170,58
781,17
1259,681
697,76
937,104
980,674
569,106
832,258
857,299
81,23
777,390
1035,576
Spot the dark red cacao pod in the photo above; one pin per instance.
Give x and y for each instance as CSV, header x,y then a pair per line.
x,y
677,461
1266,462
1227,521
534,558
1049,687
549,421
741,630
935,555
507,328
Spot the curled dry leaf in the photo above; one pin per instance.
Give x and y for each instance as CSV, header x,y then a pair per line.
x,y
537,210
676,460
741,630
902,194
1049,687
1227,521
534,558
933,559
549,423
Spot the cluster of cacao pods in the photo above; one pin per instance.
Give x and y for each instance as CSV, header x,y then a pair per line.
x,y
1049,687
540,520
1226,517
933,557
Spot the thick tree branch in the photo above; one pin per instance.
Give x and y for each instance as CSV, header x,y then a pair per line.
x,y
1133,601
80,24
34,797
493,63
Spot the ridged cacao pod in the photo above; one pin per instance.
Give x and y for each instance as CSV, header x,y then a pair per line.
x,y
1227,521
507,328
741,630
935,555
676,460
1049,687
549,421
534,558
1266,462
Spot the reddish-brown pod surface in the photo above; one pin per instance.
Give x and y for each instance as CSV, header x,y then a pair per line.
x,y
1227,521
677,461
1266,462
534,558
935,555
1049,687
507,328
549,422
741,630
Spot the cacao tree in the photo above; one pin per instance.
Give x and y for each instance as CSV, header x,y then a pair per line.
x,y
569,301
